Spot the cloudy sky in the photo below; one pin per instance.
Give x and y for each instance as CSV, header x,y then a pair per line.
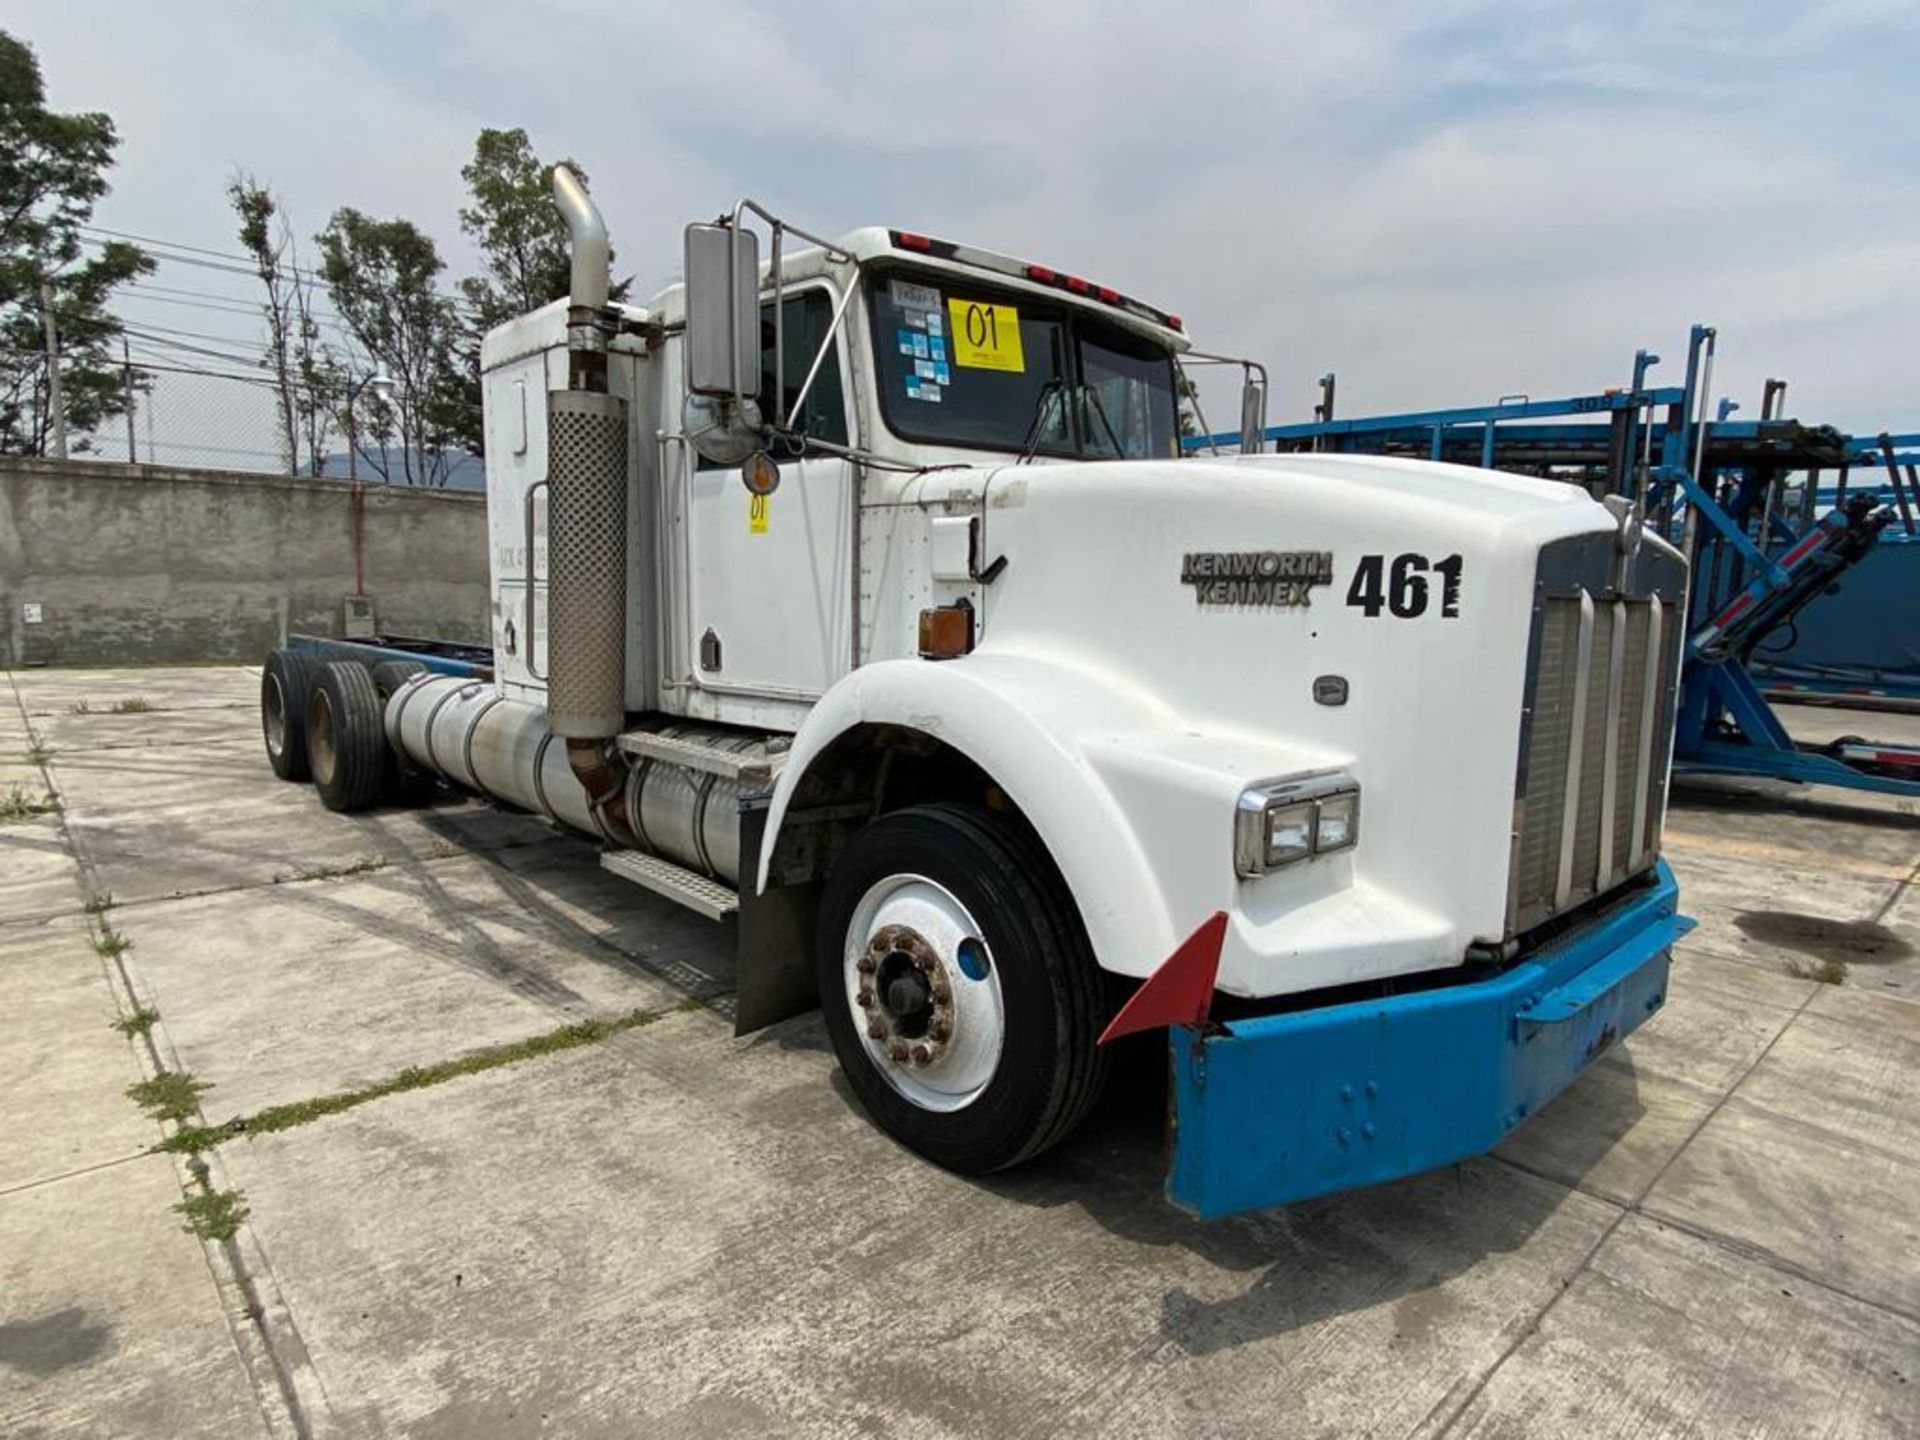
x,y
1442,202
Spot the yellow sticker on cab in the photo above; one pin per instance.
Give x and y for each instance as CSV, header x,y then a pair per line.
x,y
756,514
986,336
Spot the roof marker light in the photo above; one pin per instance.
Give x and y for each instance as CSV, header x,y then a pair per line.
x,y
1077,285
1112,297
1041,273
907,240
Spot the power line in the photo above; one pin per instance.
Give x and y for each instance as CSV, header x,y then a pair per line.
x,y
189,334
226,355
452,298
254,311
246,260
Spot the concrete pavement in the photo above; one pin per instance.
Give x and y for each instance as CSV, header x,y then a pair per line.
x,y
674,1233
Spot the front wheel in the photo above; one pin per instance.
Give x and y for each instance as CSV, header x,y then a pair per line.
x,y
959,988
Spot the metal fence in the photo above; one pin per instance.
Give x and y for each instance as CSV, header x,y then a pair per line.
x,y
209,419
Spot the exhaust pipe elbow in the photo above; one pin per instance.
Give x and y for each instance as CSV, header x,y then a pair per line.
x,y
587,232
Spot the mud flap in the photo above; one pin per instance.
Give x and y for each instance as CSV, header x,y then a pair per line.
x,y
773,937
1285,1107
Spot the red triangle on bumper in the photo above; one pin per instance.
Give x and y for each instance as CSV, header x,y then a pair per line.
x,y
1180,991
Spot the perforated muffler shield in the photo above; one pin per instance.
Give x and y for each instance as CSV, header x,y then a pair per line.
x,y
586,564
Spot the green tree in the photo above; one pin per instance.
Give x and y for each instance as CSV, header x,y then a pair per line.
x,y
517,228
383,278
1189,399
522,242
308,377
53,169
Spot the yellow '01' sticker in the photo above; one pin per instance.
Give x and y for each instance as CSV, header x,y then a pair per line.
x,y
986,336
756,514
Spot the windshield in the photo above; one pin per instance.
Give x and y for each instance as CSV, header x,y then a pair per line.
x,y
974,365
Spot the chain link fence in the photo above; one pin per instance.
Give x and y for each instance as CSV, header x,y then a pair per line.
x,y
165,413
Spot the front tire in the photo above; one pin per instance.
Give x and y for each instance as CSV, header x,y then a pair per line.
x,y
959,988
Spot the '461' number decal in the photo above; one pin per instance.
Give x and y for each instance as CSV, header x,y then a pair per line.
x,y
1400,586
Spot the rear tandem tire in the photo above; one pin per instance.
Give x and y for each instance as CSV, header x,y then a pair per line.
x,y
959,987
408,784
347,750
286,682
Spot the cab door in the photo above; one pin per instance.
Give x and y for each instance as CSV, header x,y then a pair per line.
x,y
770,582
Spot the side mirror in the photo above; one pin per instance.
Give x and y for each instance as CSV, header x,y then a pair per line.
x,y
1253,414
723,311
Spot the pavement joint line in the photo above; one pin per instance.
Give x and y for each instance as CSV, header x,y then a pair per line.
x,y
1894,898
256,1346
45,1180
1757,1254
1637,1207
1699,843
291,879
1779,1264
98,747
480,1061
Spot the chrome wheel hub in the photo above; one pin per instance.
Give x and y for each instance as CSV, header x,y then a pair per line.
x,y
924,992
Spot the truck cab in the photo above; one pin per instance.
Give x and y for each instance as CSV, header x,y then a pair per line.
x,y
864,600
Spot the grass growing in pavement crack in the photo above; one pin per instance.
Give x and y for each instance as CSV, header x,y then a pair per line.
x,y
192,1139
133,705
170,1095
209,1213
109,943
138,1023
101,903
16,805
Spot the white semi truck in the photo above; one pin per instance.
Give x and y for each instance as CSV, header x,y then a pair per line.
x,y
862,599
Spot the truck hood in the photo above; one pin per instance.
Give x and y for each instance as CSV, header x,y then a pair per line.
x,y
1279,615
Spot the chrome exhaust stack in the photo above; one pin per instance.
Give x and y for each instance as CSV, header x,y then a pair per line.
x,y
587,522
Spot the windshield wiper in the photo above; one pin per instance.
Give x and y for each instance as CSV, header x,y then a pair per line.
x,y
1031,442
1094,395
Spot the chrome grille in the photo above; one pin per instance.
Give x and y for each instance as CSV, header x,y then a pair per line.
x,y
1591,783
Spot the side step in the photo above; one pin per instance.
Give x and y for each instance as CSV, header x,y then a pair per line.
x,y
663,877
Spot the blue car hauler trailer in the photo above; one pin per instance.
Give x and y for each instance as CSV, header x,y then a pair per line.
x,y
863,603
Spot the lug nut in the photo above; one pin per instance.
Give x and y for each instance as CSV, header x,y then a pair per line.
x,y
942,992
939,1030
876,1031
925,962
866,997
921,1054
866,965
898,1051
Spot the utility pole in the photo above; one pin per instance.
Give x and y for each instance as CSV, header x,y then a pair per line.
x,y
55,400
126,373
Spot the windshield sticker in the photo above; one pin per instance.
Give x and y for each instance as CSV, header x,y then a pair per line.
x,y
918,389
915,299
907,340
986,336
935,325
920,351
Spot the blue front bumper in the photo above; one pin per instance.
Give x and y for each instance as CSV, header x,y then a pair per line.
x,y
1278,1109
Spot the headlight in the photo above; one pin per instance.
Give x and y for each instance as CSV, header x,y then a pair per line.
x,y
1283,821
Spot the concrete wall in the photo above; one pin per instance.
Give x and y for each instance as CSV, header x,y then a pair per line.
x,y
142,563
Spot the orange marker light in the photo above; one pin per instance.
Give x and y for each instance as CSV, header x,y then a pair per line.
x,y
946,631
